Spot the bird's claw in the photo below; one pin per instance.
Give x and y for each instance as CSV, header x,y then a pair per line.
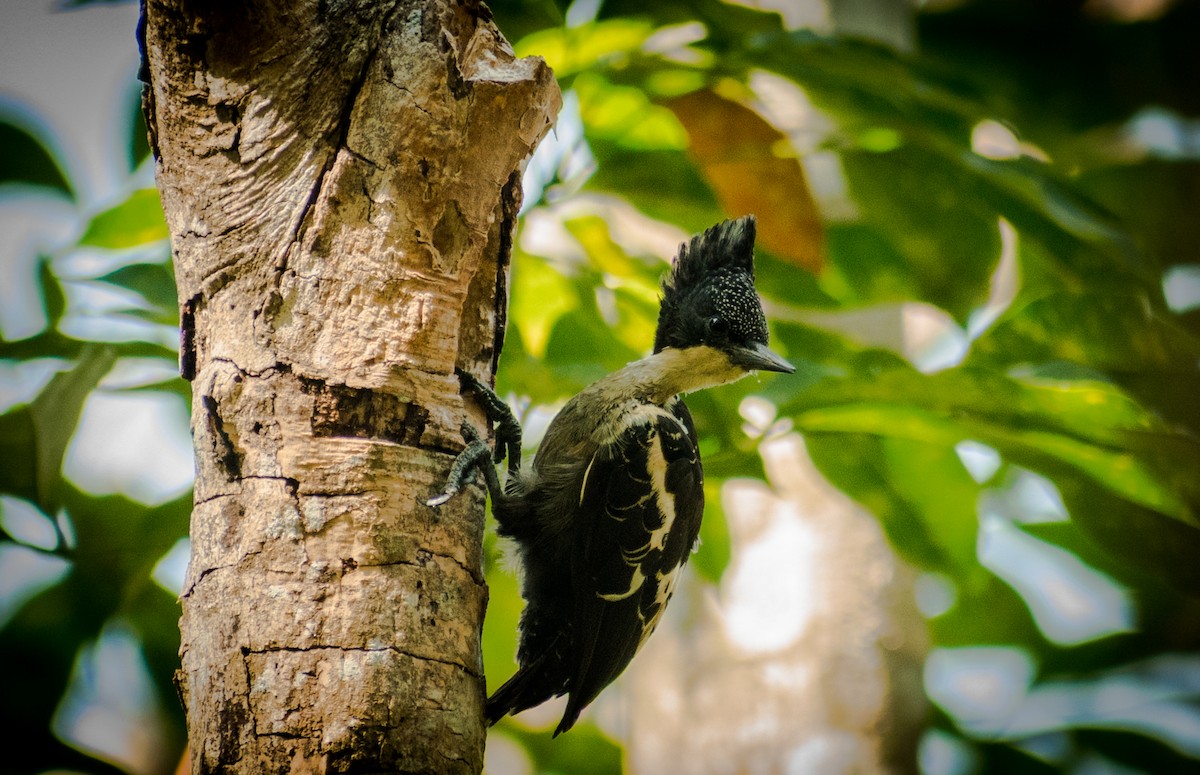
x,y
438,500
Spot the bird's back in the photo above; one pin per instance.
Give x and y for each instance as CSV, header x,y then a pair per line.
x,y
602,535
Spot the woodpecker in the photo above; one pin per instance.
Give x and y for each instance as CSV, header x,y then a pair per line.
x,y
606,516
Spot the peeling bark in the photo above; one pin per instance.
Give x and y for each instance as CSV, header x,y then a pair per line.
x,y
341,180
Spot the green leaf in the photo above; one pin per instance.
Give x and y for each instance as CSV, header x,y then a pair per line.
x,y
1147,196
136,221
715,549
1141,537
663,184
726,23
176,386
865,267
501,625
25,158
54,299
154,282
586,47
602,354
1119,471
988,612
138,143
920,492
118,542
1078,429
941,241
585,750
626,117
540,296
34,437
18,444
1109,331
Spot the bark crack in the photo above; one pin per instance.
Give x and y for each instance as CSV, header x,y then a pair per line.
x,y
342,133
247,651
277,368
422,561
413,99
225,447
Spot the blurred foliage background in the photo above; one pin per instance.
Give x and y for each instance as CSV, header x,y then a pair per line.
x,y
978,243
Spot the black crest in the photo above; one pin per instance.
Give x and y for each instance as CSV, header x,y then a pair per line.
x,y
709,296
728,246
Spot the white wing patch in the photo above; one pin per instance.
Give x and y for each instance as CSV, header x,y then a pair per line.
x,y
665,498
635,583
646,414
666,588
586,475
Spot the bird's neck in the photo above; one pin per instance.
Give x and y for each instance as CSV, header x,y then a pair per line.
x,y
672,371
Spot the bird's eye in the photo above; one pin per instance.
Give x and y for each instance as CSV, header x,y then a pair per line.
x,y
717,327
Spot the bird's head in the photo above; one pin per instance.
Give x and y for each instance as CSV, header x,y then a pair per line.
x,y
709,299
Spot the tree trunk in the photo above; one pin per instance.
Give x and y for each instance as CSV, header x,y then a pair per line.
x,y
341,180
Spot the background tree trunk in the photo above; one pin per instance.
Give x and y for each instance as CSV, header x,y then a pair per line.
x,y
341,180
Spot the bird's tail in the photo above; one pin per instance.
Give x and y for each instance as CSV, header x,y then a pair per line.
x,y
528,687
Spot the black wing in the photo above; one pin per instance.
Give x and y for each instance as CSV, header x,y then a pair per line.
x,y
639,515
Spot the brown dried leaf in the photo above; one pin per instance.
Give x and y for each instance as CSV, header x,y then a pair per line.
x,y
752,169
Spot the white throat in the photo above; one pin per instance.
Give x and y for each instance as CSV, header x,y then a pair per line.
x,y
674,371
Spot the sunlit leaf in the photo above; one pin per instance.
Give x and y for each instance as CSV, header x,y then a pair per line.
x,y
593,235
1080,428
136,221
570,50
625,289
626,116
932,478
540,295
1120,472
725,23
